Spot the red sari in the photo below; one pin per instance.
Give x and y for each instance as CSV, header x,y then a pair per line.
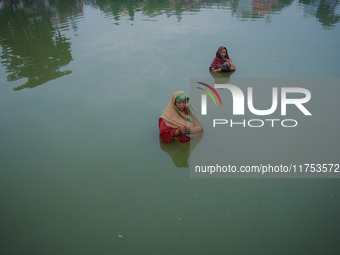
x,y
218,61
167,133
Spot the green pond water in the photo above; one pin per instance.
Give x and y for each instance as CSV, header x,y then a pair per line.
x,y
82,85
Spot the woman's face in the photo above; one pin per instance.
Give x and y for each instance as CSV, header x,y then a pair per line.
x,y
181,105
223,53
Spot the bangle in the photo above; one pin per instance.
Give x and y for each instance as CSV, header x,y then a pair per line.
x,y
177,132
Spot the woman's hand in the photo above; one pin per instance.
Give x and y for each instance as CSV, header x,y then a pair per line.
x,y
232,68
183,130
216,70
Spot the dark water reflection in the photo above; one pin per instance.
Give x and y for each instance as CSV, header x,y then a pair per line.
x,y
33,46
221,78
180,152
324,11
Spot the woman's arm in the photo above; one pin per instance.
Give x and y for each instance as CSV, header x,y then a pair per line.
x,y
196,128
233,68
217,70
167,133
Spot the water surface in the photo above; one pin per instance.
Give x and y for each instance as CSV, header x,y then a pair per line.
x,y
82,85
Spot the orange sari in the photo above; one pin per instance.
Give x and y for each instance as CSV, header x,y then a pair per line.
x,y
172,119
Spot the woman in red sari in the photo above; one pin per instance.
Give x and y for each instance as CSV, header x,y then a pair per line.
x,y
179,120
222,62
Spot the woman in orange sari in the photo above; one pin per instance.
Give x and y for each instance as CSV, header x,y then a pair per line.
x,y
179,120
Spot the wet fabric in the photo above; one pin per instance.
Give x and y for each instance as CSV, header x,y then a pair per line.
x,y
168,134
218,62
172,118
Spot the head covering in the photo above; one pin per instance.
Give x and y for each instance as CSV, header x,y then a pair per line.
x,y
173,117
218,61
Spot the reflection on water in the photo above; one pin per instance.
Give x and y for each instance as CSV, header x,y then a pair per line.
x,y
221,78
34,48
323,10
260,8
180,152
